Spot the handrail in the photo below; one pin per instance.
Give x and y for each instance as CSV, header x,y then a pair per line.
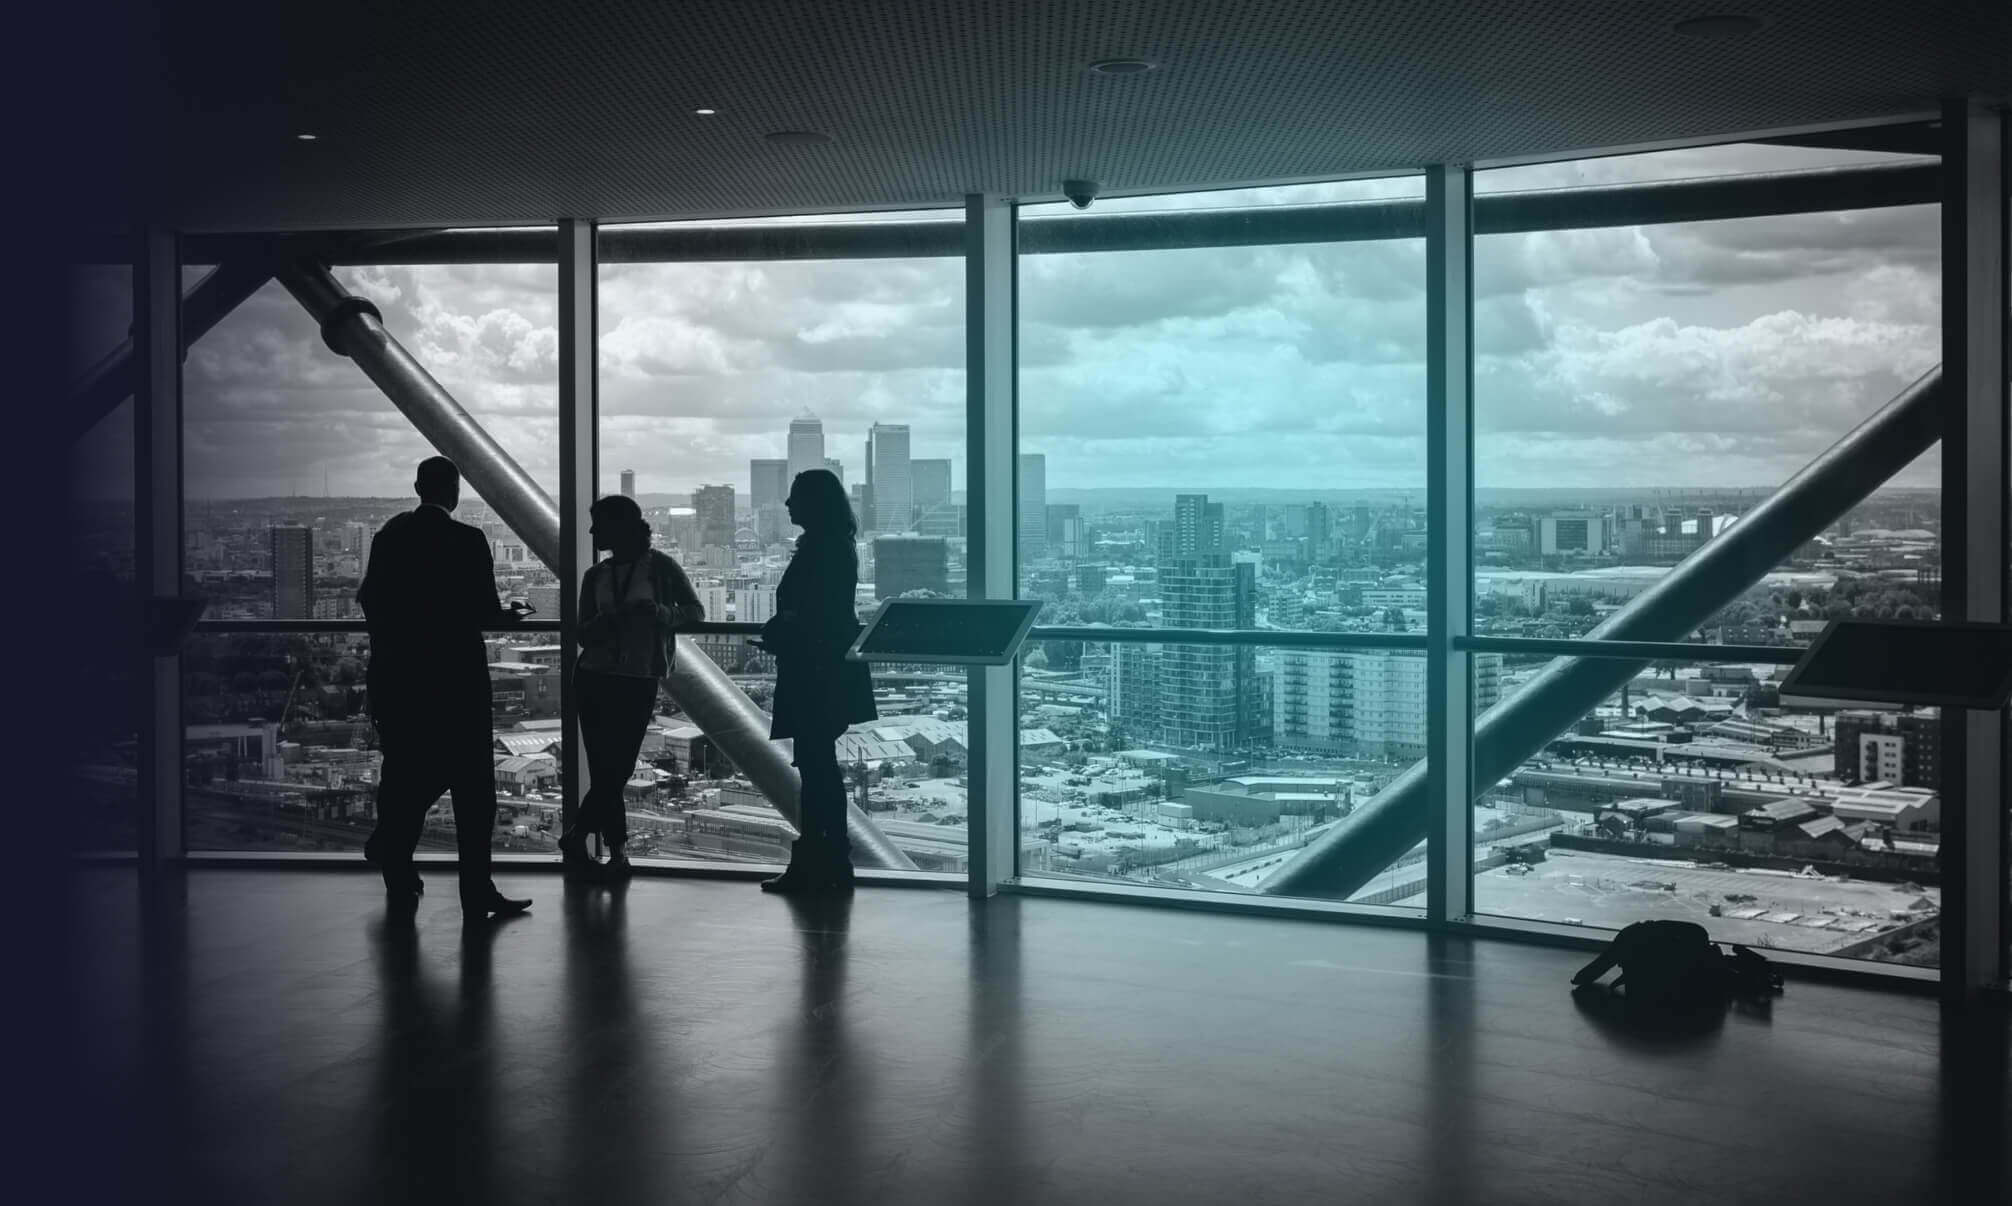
x,y
1662,651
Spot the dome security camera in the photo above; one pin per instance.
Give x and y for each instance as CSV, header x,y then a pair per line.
x,y
1080,192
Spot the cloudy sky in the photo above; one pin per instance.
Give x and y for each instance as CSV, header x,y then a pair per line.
x,y
1721,353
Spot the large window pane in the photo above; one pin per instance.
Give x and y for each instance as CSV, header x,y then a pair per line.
x,y
1693,793
280,754
1111,790
99,498
294,459
1196,415
722,380
1639,388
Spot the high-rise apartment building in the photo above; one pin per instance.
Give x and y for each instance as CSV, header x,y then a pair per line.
x,y
1206,691
292,572
1362,701
1903,748
715,507
628,483
905,563
888,473
1033,508
806,444
753,605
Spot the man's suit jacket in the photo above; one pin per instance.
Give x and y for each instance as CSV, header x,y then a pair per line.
x,y
428,596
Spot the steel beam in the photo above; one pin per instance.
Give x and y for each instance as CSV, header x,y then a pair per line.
x,y
110,381
579,481
1975,487
991,375
1345,859
1449,411
352,327
1759,195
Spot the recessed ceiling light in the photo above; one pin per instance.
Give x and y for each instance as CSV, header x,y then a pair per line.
x,y
797,138
1121,66
704,112
1718,26
306,137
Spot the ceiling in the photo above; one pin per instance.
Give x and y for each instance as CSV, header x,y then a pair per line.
x,y
452,113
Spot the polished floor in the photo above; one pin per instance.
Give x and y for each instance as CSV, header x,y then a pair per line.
x,y
270,1036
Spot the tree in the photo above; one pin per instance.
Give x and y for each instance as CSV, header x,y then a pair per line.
x,y
1577,606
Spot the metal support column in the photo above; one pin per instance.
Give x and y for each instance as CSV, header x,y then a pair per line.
x,y
989,493
579,477
1974,491
157,491
1449,686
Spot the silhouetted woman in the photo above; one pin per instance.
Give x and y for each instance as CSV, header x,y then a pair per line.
x,y
631,607
817,692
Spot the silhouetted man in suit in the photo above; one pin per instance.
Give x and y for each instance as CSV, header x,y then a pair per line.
x,y
428,596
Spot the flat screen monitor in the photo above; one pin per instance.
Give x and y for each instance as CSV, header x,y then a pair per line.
x,y
968,632
1897,664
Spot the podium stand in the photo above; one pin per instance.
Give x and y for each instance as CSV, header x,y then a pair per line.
x,y
958,632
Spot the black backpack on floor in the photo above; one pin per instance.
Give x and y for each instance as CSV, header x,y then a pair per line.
x,y
1675,964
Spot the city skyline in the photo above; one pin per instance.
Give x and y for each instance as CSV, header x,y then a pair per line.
x,y
1724,354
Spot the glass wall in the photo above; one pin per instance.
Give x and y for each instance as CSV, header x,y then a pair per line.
x,y
1693,791
1224,437
1640,388
293,461
1104,797
99,501
720,380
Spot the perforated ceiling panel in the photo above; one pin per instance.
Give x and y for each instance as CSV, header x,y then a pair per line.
x,y
512,112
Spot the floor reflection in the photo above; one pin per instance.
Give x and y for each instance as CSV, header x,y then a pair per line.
x,y
436,1073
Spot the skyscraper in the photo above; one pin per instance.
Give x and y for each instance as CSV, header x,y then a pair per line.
x,y
1033,506
888,472
806,444
837,468
292,573
715,507
768,483
932,483
628,483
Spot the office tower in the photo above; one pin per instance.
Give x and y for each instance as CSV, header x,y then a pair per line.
x,y
768,483
836,467
1319,530
888,473
628,483
862,504
1064,527
905,563
1033,506
806,444
292,572
931,477
715,507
